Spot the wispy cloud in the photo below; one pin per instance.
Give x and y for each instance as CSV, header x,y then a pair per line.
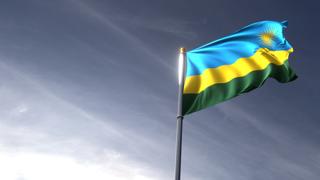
x,y
32,165
136,42
175,27
39,130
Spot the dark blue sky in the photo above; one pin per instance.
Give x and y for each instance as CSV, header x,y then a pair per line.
x,y
88,90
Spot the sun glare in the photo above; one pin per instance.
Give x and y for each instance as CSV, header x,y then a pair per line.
x,y
180,67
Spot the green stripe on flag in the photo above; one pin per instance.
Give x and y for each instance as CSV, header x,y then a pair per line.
x,y
224,91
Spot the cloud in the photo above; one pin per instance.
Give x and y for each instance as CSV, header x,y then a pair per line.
x,y
43,136
129,37
176,27
39,166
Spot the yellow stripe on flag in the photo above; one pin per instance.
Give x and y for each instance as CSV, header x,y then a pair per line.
x,y
242,67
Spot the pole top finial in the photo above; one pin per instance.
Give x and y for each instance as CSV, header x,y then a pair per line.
x,y
182,50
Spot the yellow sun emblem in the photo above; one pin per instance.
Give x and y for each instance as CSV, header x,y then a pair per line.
x,y
267,38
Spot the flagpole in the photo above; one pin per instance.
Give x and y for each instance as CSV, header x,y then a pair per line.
x,y
182,69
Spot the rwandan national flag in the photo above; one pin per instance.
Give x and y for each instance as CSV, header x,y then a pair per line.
x,y
236,64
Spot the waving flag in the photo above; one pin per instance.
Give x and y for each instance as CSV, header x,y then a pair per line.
x,y
236,64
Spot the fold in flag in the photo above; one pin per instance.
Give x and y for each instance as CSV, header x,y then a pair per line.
x,y
236,64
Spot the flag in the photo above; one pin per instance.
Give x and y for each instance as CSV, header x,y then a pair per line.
x,y
236,64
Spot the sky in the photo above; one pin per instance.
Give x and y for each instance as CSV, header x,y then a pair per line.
x,y
88,90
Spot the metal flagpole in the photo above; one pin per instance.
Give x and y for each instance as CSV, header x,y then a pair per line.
x,y
182,69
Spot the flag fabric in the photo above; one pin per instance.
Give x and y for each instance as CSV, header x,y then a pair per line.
x,y
236,64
